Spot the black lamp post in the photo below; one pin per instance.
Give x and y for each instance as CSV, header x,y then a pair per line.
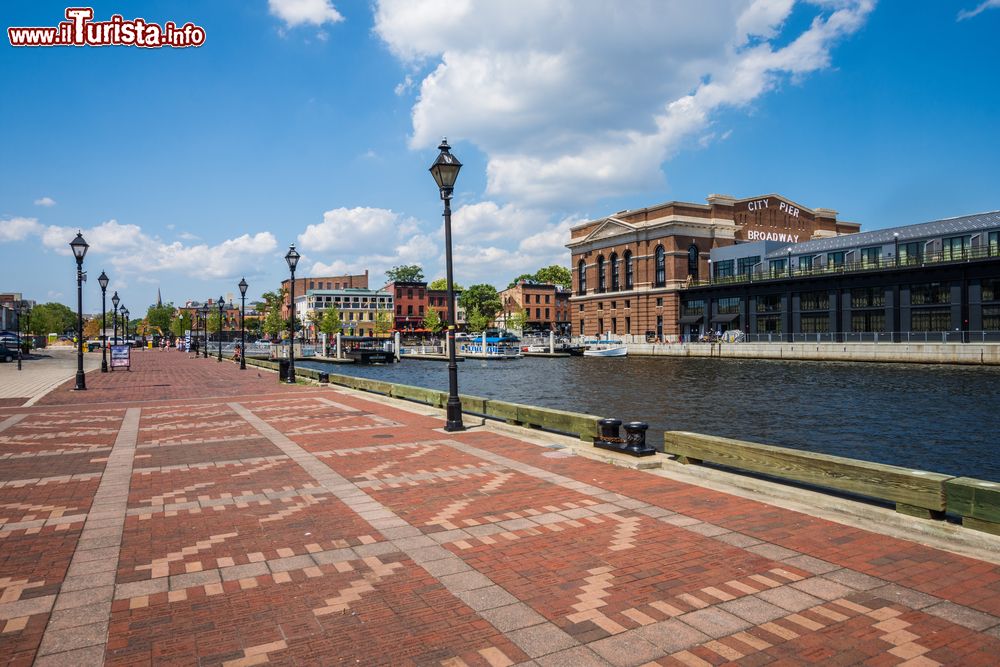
x,y
125,323
79,247
102,280
789,263
243,334
222,305
204,320
895,241
292,257
21,309
445,172
115,300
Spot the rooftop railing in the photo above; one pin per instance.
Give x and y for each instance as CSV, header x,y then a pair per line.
x,y
859,266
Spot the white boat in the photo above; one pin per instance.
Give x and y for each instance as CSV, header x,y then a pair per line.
x,y
605,348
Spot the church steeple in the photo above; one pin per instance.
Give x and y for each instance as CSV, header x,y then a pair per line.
x,y
159,301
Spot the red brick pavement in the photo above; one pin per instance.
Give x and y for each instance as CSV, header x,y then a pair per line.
x,y
242,522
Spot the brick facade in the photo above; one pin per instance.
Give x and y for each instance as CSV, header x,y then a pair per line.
x,y
546,307
647,255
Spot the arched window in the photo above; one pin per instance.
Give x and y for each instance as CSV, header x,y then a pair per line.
x,y
693,261
600,274
628,269
614,272
661,267
581,271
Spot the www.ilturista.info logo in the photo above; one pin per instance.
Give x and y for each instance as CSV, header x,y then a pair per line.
x,y
81,30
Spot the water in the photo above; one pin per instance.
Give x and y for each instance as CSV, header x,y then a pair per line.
x,y
938,418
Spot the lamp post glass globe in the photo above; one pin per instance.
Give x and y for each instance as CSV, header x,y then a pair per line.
x,y
445,172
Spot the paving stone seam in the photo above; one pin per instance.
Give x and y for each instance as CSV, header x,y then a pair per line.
x,y
478,595
171,402
59,644
631,503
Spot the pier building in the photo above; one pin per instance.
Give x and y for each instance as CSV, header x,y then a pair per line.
x,y
629,268
359,309
935,281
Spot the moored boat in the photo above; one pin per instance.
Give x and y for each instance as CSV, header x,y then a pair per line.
x,y
605,347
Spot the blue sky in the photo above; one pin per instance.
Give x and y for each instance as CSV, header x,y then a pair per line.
x,y
314,122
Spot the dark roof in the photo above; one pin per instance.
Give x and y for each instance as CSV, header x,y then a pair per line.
x,y
946,227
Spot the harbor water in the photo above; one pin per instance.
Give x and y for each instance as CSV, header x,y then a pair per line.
x,y
939,418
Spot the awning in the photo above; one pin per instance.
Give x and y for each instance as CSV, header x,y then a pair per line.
x,y
725,319
691,319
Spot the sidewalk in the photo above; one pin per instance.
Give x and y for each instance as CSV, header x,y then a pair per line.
x,y
47,369
191,513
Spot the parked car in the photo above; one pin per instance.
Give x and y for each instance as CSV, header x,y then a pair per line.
x,y
8,354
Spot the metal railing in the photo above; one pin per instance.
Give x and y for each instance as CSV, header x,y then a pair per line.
x,y
859,266
850,337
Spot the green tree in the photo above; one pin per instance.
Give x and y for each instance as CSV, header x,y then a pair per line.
x,y
383,322
407,273
52,317
555,274
213,322
159,317
530,277
433,321
442,284
273,324
516,319
180,323
331,323
476,320
482,298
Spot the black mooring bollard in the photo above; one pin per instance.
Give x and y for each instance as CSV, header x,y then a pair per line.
x,y
609,430
635,439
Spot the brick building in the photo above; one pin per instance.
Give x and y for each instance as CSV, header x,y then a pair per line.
x,y
545,306
629,267
412,299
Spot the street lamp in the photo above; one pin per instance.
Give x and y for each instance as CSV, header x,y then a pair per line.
x,y
222,305
204,322
895,241
445,172
102,280
292,257
21,310
115,300
79,247
125,323
243,335
789,262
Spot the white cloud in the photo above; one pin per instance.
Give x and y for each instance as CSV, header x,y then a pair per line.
x,y
574,100
132,252
299,12
352,240
979,9
47,202
18,229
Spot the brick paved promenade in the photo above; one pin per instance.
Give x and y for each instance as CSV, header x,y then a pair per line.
x,y
187,513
